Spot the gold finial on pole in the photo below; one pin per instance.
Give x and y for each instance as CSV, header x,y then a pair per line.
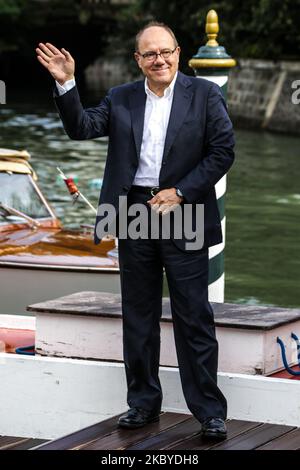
x,y
211,55
212,28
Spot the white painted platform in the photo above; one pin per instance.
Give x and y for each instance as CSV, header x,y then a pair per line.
x,y
88,325
240,350
47,397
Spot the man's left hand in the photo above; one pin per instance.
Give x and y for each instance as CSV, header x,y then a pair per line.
x,y
165,201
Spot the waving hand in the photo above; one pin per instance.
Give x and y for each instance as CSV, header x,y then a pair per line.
x,y
59,63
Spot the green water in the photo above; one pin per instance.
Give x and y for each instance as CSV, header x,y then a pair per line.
x,y
263,211
262,258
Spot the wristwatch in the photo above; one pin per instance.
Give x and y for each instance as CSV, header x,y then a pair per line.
x,y
179,193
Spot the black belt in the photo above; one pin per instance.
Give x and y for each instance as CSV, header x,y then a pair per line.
x,y
150,191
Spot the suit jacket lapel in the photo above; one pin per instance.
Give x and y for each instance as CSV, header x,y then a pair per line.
x,y
181,102
137,102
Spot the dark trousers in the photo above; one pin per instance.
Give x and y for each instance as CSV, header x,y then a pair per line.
x,y
141,268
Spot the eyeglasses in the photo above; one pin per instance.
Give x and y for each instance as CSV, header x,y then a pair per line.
x,y
151,56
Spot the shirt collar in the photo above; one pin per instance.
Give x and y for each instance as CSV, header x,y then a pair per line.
x,y
167,92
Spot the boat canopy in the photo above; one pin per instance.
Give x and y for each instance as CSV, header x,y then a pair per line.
x,y
16,161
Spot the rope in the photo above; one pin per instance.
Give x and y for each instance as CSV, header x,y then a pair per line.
x,y
295,337
285,363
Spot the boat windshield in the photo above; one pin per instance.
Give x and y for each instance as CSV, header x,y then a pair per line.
x,y
18,191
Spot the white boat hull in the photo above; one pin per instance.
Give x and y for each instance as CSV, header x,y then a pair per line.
x,y
20,287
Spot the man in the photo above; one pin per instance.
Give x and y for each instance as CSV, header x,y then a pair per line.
x,y
170,141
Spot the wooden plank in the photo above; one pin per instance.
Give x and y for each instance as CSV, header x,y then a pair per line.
x,y
289,441
28,444
169,437
123,438
9,441
88,303
234,428
83,435
253,317
105,304
254,438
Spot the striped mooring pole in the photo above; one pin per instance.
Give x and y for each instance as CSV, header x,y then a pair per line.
x,y
213,63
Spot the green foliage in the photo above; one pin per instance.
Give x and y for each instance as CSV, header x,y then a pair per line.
x,y
81,26
267,29
11,8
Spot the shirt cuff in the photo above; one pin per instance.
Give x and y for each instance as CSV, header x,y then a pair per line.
x,y
68,85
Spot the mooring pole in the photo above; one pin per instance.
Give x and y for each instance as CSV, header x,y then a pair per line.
x,y
213,63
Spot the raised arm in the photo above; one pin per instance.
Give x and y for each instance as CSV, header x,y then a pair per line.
x,y
79,123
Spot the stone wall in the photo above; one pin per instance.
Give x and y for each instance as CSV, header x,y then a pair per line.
x,y
105,73
260,95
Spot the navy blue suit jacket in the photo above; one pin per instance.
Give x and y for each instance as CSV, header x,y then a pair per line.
x,y
198,147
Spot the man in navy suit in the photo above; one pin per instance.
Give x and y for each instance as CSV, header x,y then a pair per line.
x,y
170,141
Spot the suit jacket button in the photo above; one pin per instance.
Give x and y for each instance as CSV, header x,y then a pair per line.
x,y
164,163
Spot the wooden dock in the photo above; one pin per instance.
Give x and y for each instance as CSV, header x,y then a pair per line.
x,y
19,443
80,335
177,431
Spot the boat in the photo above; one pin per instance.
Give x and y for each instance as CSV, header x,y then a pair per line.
x,y
39,258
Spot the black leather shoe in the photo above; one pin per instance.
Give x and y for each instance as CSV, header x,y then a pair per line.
x,y
214,428
136,418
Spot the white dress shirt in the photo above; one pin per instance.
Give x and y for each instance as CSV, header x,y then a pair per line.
x,y
157,114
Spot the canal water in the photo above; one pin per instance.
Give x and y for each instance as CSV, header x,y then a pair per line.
x,y
262,256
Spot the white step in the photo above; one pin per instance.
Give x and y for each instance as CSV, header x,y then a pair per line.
x,y
88,325
47,397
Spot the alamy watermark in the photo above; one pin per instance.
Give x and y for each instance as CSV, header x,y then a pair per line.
x,y
2,92
137,222
296,93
